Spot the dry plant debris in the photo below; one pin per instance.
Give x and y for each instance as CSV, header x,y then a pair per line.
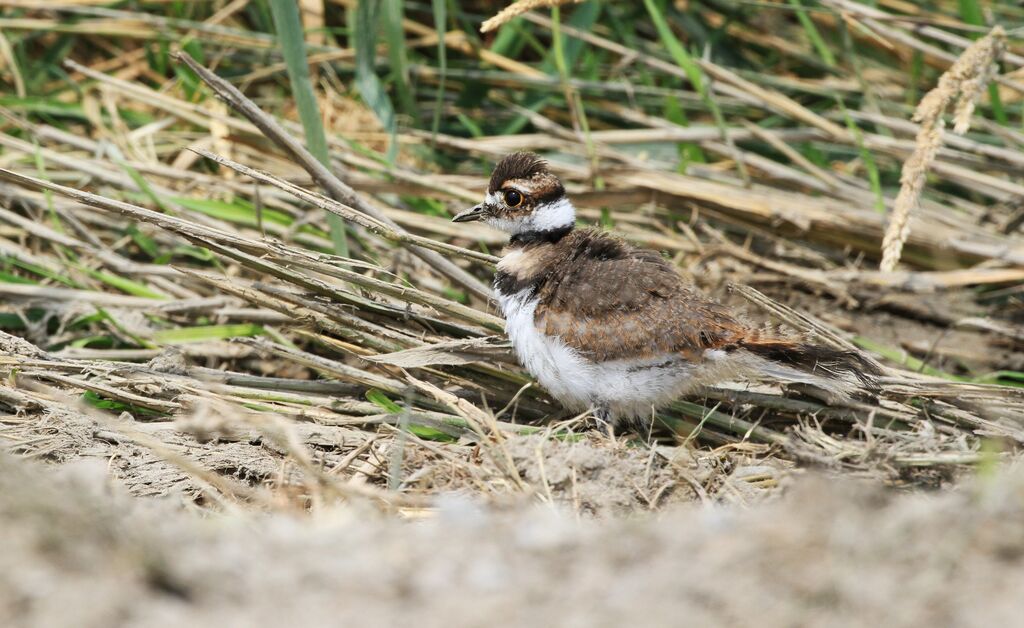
x,y
172,303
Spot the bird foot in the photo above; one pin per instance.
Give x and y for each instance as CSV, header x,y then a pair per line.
x,y
604,422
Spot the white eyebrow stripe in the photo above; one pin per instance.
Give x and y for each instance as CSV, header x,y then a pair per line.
x,y
560,213
526,186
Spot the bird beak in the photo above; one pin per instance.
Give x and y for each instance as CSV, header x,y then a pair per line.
x,y
471,214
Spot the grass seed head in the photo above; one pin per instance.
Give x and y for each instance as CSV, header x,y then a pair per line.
x,y
963,84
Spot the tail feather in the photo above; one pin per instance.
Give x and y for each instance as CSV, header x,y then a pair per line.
x,y
815,358
843,372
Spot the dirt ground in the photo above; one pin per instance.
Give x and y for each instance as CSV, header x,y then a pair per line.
x,y
78,550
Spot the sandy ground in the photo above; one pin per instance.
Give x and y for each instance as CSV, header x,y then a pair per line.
x,y
80,551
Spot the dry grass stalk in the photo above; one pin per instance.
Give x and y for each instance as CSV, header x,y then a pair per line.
x,y
962,83
517,9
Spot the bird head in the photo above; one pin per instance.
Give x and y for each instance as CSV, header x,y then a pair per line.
x,y
523,196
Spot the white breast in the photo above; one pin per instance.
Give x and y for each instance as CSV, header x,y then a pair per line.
x,y
559,369
626,388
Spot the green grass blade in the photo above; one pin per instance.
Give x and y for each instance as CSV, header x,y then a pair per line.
x,y
293,47
904,359
96,401
996,101
813,35
916,72
11,321
583,18
1002,378
204,333
689,152
102,315
144,185
441,26
693,72
38,270
371,88
6,277
394,36
874,178
470,125
572,96
41,171
971,13
145,243
127,286
239,212
675,48
382,401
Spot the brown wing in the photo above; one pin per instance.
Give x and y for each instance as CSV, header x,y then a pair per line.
x,y
631,304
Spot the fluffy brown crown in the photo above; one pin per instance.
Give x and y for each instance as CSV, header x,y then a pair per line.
x,y
527,173
516,166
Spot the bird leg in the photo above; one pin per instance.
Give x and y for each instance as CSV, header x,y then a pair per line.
x,y
603,420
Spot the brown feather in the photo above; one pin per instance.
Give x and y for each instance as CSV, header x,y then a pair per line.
x,y
610,301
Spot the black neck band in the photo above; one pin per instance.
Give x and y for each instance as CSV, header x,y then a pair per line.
x,y
532,237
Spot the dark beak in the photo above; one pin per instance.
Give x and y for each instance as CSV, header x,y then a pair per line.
x,y
471,214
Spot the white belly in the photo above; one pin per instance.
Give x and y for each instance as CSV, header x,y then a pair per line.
x,y
626,388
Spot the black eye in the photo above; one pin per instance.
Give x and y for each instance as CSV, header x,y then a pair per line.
x,y
513,198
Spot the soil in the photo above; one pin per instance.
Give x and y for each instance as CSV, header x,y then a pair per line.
x,y
79,551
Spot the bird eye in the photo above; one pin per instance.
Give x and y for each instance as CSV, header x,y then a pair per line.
x,y
513,198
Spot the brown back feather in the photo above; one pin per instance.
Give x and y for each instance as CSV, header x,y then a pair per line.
x,y
609,301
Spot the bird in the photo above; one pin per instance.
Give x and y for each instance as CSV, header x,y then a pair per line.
x,y
613,329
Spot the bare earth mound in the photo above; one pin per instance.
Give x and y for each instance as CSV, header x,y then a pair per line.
x,y
78,553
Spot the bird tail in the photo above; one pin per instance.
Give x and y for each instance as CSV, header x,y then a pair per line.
x,y
843,374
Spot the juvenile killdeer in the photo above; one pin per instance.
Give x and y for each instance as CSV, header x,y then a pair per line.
x,y
606,326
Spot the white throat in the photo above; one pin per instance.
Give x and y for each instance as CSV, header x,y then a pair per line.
x,y
545,217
